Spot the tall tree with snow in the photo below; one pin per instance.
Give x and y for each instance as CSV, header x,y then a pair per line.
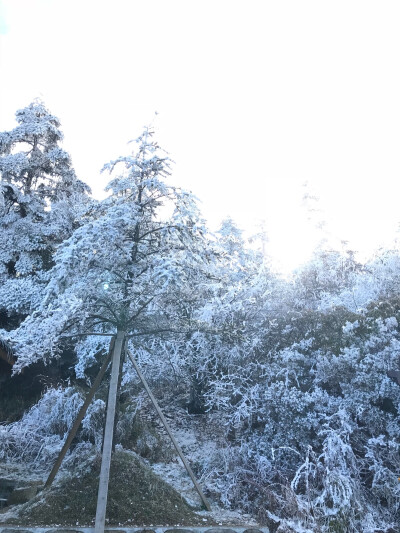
x,y
126,265
39,195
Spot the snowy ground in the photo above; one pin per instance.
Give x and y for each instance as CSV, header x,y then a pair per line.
x,y
199,438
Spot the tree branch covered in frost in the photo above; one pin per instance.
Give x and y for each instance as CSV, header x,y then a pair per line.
x,y
37,438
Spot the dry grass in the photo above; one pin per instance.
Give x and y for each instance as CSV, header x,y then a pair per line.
x,y
137,497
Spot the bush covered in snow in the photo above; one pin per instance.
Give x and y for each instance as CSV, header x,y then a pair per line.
x,y
38,437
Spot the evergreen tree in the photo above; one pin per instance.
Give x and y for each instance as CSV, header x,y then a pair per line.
x,y
39,196
127,266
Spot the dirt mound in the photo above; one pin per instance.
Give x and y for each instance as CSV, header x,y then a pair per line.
x,y
137,497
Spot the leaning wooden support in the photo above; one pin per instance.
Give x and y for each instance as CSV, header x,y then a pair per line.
x,y
176,445
108,435
80,416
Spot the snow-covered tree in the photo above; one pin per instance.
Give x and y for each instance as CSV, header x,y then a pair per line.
x,y
133,256
319,282
39,198
298,363
238,306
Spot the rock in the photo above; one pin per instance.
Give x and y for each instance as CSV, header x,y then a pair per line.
x,y
286,528
12,530
220,530
178,530
22,495
61,530
7,485
272,523
3,502
252,530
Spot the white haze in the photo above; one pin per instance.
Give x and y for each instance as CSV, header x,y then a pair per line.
x,y
254,99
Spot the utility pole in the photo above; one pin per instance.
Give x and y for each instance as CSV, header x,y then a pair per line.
x,y
108,435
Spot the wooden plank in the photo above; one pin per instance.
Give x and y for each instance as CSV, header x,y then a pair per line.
x,y
108,435
80,416
174,442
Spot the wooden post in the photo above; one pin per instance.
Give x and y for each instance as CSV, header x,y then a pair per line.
x,y
117,403
80,416
177,447
108,435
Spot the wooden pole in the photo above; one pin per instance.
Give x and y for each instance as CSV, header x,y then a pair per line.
x,y
177,447
80,416
108,435
117,404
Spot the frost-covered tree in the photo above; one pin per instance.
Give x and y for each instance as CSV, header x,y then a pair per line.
x,y
126,267
328,274
321,411
237,308
39,198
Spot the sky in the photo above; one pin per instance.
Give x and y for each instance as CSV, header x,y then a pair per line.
x,y
253,99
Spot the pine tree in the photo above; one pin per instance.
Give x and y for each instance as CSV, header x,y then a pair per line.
x,y
126,267
39,195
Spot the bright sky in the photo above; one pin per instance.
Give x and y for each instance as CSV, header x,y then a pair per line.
x,y
254,98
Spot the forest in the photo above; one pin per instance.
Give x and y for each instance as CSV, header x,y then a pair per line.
x,y
293,382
